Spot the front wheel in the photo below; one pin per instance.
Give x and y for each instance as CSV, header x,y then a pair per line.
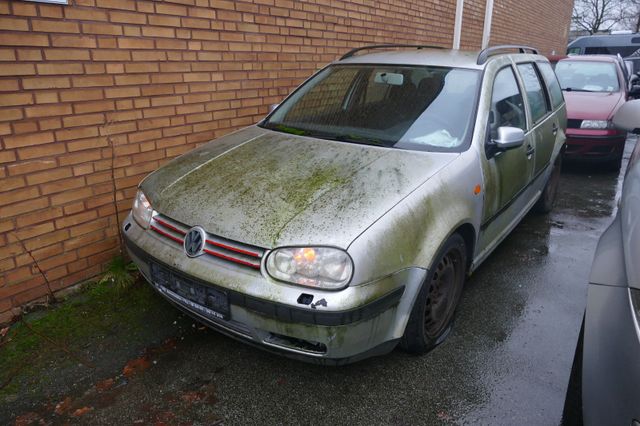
x,y
435,306
550,192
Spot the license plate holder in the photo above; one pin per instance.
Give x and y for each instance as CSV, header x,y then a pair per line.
x,y
205,300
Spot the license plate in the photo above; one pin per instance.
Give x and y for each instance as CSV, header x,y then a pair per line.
x,y
205,300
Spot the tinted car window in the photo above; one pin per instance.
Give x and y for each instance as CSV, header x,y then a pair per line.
x,y
610,50
552,83
409,107
507,105
535,92
586,76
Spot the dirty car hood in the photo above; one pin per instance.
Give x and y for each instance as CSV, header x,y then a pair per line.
x,y
270,189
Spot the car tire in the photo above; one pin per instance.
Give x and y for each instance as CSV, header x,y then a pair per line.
x,y
434,309
547,199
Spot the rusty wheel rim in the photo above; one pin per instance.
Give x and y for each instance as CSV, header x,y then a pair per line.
x,y
442,294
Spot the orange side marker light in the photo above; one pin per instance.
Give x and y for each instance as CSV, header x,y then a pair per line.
x,y
477,189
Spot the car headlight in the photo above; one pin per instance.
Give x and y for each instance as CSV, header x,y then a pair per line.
x,y
142,210
595,124
320,267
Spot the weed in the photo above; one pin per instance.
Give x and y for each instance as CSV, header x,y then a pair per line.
x,y
119,273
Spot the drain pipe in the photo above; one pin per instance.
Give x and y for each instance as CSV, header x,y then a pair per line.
x,y
457,28
486,32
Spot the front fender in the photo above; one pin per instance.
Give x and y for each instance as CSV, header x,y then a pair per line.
x,y
411,233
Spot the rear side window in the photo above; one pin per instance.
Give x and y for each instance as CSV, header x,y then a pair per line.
x,y
535,92
552,83
610,50
507,105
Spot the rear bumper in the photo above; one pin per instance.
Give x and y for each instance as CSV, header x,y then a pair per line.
x,y
594,148
265,316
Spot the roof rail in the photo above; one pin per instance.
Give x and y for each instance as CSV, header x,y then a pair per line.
x,y
386,46
494,50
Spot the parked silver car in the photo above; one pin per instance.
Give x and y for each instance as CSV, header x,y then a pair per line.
x,y
605,381
347,220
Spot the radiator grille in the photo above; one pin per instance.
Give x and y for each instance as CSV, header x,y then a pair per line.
x,y
215,246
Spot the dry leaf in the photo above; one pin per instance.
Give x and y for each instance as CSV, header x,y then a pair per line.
x,y
135,366
82,411
104,385
27,419
63,406
192,396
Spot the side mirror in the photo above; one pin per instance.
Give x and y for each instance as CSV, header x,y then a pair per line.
x,y
272,107
628,116
633,79
508,138
629,67
635,91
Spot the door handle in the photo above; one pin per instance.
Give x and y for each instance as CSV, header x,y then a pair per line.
x,y
555,129
530,150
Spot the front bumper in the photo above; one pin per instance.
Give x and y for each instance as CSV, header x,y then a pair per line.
x,y
348,325
594,148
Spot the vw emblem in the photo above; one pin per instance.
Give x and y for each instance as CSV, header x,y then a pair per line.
x,y
194,241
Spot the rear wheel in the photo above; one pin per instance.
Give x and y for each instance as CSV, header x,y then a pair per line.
x,y
435,306
550,192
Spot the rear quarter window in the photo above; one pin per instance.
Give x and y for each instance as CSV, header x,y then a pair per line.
x,y
555,92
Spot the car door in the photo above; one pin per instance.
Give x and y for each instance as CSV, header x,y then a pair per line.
x,y
545,126
508,172
557,103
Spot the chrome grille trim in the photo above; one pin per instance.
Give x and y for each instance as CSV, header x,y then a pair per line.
x,y
216,246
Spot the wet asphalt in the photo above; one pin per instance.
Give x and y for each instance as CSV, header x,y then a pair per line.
x,y
507,360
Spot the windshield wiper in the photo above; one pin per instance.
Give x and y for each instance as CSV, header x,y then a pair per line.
x,y
287,129
350,138
359,139
573,89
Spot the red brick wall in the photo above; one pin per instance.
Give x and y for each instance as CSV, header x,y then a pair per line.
x,y
472,24
542,23
154,79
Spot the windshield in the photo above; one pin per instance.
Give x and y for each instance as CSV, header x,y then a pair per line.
x,y
583,76
420,108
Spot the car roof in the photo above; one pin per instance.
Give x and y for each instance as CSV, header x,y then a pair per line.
x,y
426,56
604,40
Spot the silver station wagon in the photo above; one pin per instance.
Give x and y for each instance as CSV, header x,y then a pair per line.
x,y
346,222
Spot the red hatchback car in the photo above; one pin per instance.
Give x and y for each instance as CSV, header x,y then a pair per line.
x,y
594,88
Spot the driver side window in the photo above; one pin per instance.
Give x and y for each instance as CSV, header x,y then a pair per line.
x,y
507,104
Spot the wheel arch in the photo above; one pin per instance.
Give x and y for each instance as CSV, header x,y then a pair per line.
x,y
468,234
